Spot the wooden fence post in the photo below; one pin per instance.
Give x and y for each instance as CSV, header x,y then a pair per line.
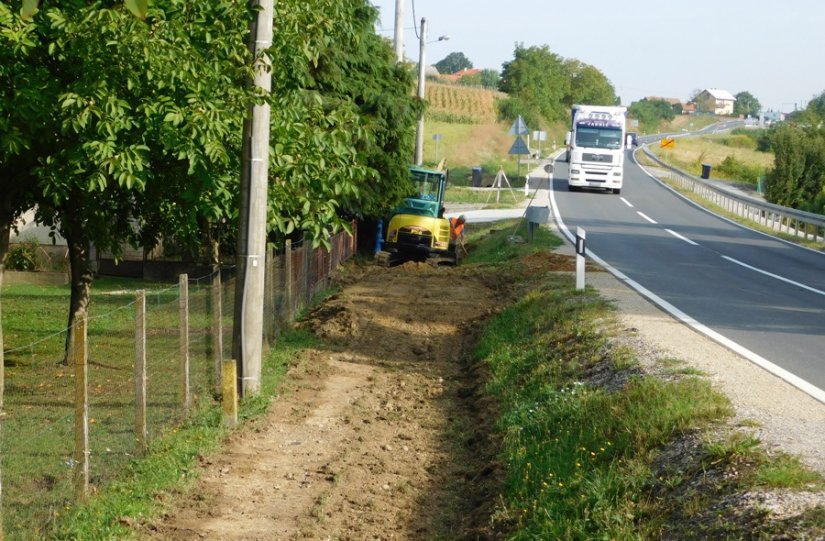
x,y
185,390
217,329
79,357
307,269
141,431
288,292
230,393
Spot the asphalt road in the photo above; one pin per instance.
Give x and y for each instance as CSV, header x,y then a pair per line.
x,y
758,295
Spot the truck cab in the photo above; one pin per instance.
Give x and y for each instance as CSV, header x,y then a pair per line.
x,y
595,147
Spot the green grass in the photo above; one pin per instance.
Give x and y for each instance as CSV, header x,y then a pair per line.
x,y
38,428
501,243
732,157
170,464
580,458
485,198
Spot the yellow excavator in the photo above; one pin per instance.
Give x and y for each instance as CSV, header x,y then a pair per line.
x,y
417,229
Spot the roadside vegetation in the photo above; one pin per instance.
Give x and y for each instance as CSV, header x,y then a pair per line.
x,y
741,156
596,449
591,446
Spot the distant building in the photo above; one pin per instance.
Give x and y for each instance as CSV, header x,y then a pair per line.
x,y
716,101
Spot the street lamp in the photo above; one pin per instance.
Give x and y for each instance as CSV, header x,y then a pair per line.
x,y
419,133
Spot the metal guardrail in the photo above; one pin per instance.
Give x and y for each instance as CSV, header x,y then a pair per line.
x,y
781,219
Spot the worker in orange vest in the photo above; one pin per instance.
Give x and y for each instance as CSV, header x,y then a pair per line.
x,y
457,231
457,227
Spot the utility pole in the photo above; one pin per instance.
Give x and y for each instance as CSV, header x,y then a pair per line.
x,y
419,132
247,332
398,36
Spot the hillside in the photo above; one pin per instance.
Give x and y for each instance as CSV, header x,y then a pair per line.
x,y
462,104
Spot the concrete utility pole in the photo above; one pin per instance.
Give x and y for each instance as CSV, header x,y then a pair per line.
x,y
247,332
398,36
419,132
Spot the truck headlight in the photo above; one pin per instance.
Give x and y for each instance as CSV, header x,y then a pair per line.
x,y
574,171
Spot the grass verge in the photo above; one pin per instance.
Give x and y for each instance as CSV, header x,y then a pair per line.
x,y
590,441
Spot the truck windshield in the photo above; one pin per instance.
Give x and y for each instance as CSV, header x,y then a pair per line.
x,y
609,138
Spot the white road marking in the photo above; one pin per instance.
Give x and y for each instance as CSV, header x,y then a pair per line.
x,y
646,217
808,388
776,276
626,202
681,237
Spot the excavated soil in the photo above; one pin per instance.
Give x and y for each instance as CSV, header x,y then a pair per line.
x,y
382,433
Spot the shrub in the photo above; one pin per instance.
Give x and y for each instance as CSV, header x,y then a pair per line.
x,y
733,169
22,257
739,140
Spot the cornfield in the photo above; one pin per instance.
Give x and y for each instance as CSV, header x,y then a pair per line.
x,y
462,104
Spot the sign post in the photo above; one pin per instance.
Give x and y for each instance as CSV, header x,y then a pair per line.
x,y
580,253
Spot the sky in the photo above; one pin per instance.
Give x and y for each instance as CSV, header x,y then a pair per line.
x,y
773,49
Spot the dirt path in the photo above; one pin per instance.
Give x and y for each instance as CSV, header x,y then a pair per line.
x,y
381,435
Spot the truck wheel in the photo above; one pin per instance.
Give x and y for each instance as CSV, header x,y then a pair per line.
x,y
617,190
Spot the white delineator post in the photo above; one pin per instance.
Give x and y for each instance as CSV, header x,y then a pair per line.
x,y
580,252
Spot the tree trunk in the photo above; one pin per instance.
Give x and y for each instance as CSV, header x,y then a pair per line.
x,y
81,281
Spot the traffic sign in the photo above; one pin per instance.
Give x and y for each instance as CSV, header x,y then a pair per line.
x,y
668,142
519,127
519,147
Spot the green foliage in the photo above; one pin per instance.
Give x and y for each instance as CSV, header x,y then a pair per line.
x,y
342,121
746,105
545,86
22,257
537,80
759,138
453,63
577,455
797,179
511,107
651,113
486,79
588,85
735,169
503,242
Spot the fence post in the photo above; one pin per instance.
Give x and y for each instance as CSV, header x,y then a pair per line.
x,y
230,393
307,268
141,432
217,329
288,293
185,390
79,357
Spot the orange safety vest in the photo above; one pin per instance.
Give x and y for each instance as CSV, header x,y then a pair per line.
x,y
456,229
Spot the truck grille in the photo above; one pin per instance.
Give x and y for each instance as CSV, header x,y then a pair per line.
x,y
598,158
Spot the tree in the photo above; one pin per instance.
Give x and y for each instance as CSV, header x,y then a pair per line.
x,y
343,122
133,113
797,179
746,105
651,113
538,82
453,63
588,85
141,121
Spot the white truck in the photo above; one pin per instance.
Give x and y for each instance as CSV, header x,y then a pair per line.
x,y
596,144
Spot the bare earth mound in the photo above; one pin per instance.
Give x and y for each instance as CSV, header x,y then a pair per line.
x,y
381,435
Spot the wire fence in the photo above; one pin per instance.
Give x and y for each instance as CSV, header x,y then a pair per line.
x,y
150,359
